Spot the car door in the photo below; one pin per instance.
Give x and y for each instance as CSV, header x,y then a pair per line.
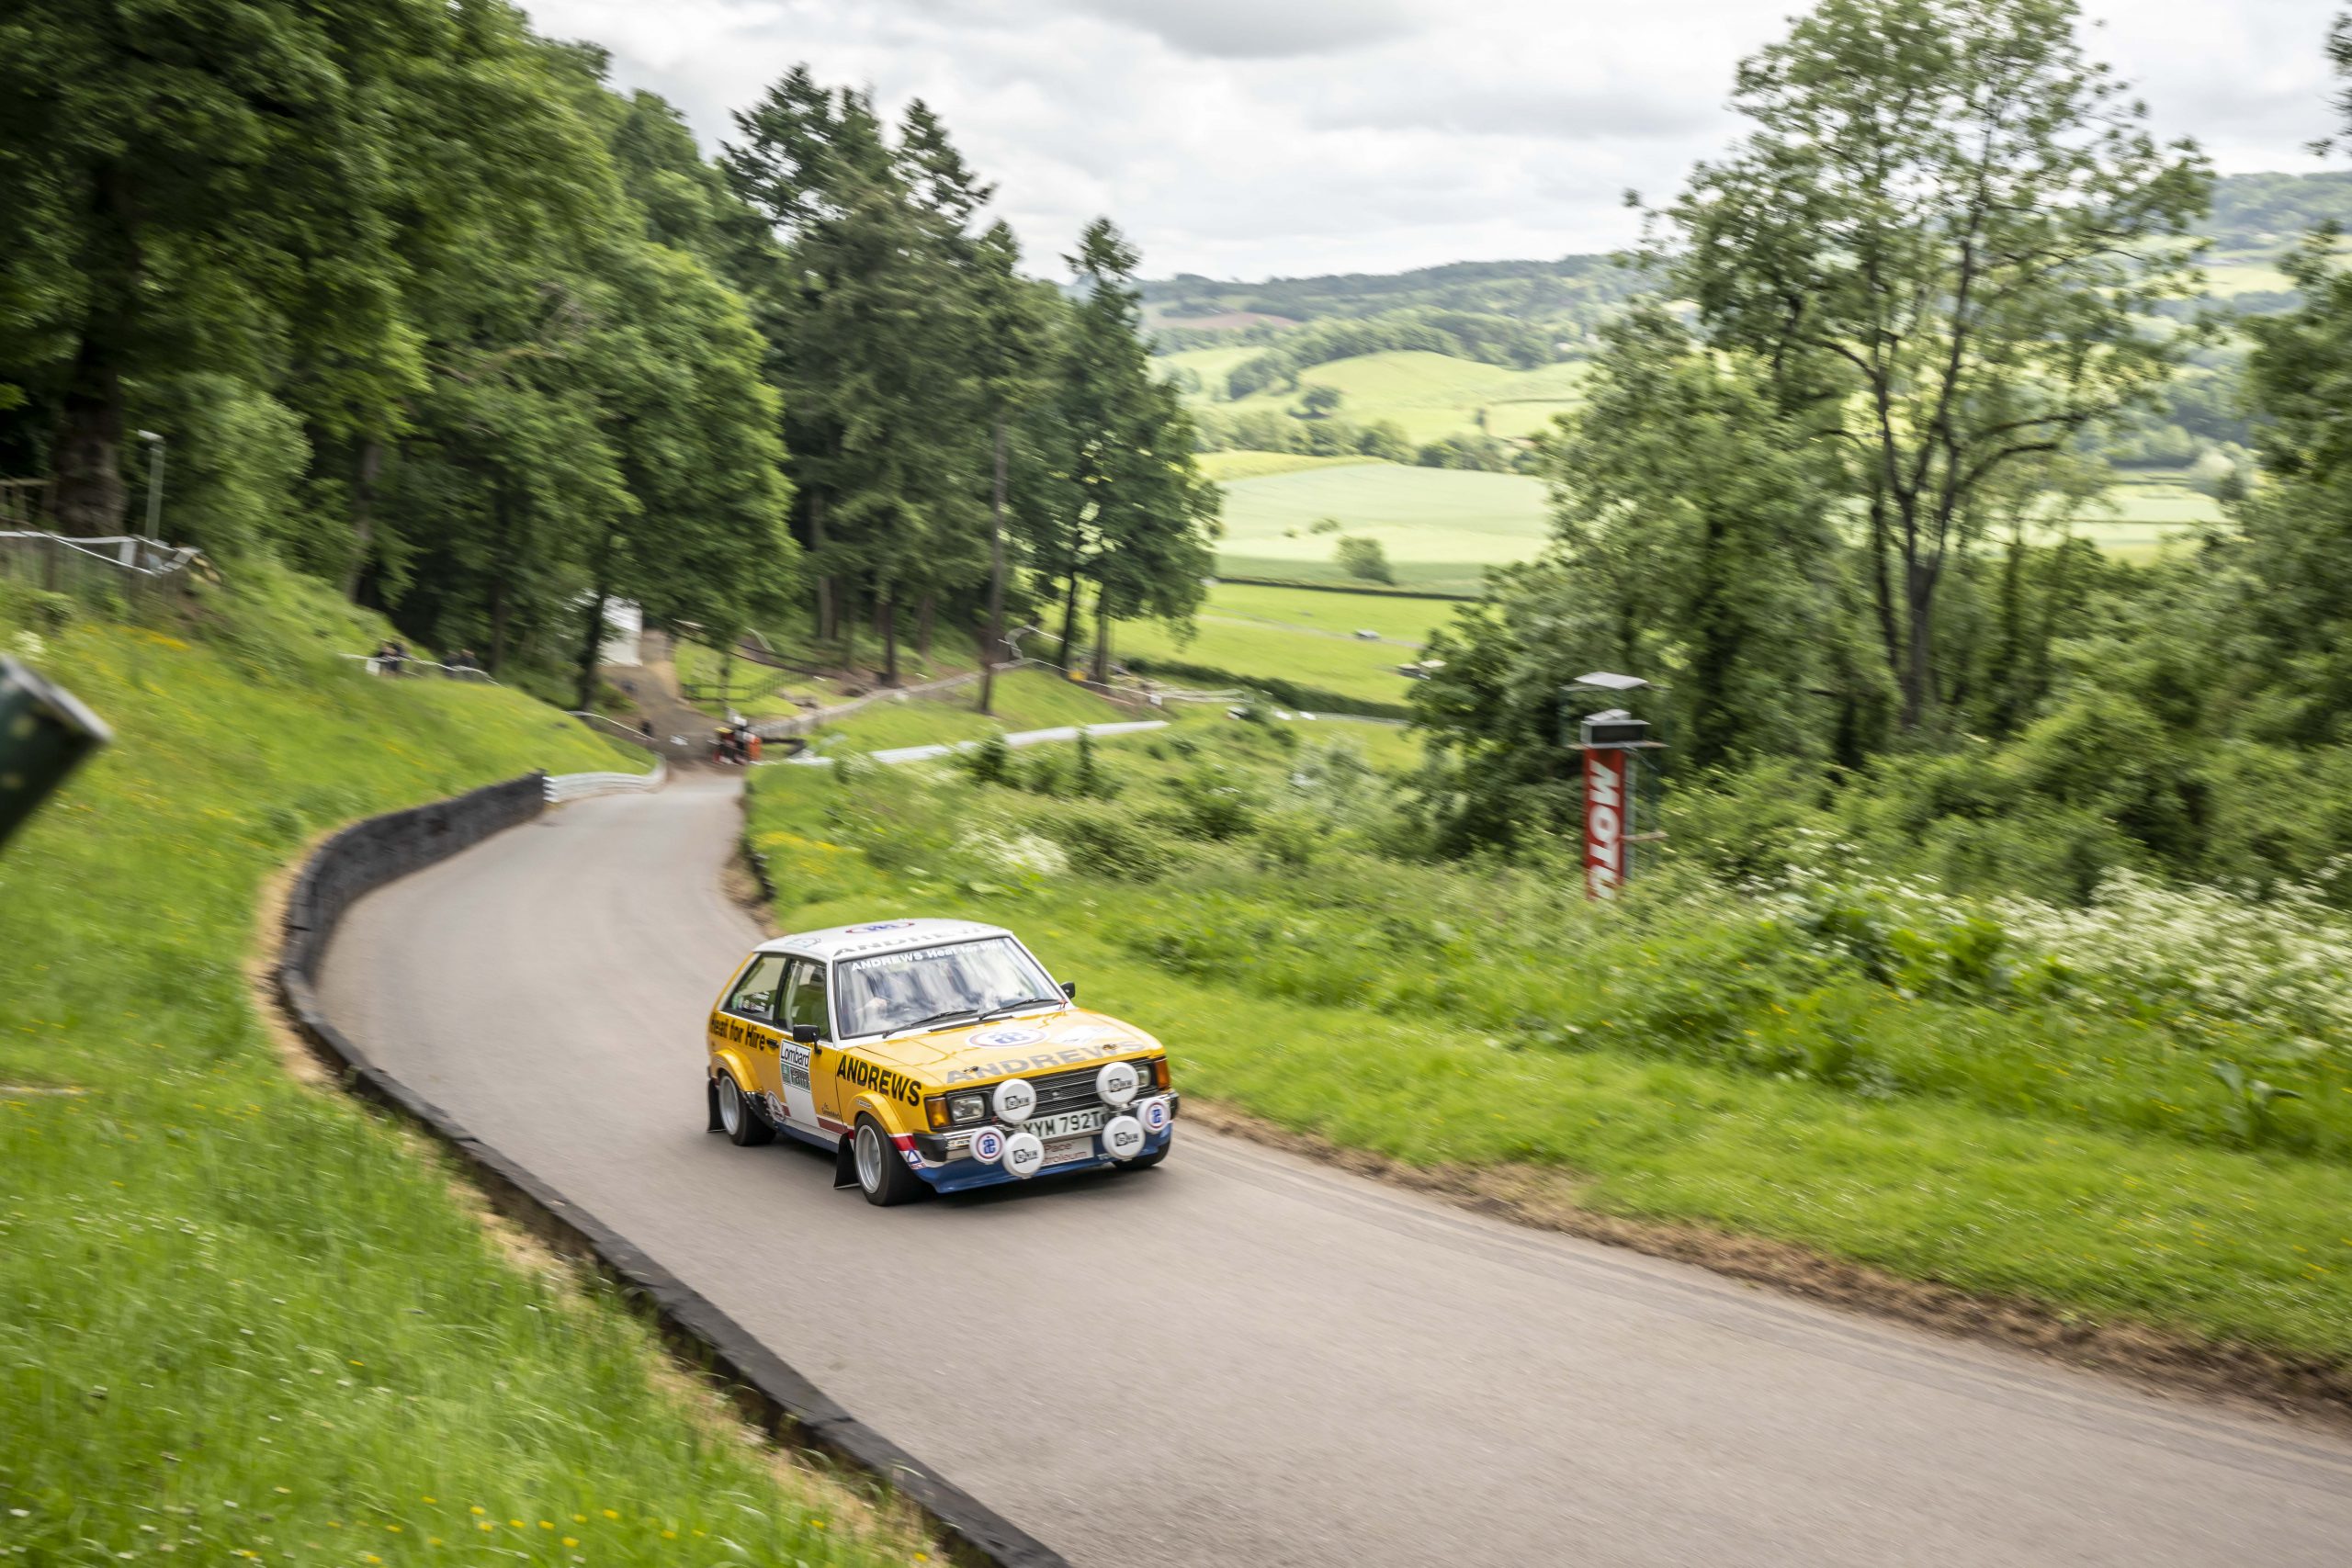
x,y
748,1017
804,1007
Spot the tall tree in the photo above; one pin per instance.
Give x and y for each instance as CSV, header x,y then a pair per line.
x,y
1008,341
1139,520
176,205
1945,234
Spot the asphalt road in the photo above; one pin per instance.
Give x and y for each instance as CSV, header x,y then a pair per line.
x,y
1241,1357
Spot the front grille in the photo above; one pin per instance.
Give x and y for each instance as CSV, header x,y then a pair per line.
x,y
1065,1091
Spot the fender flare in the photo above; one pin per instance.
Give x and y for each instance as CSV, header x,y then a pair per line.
x,y
732,1059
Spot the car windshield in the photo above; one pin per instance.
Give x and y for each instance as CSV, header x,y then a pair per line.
x,y
899,990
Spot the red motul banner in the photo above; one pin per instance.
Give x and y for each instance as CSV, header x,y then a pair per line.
x,y
1608,819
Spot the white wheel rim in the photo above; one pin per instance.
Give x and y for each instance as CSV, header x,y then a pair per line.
x,y
730,1106
869,1158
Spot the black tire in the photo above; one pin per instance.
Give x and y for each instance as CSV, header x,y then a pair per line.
x,y
740,1116
882,1175
1145,1162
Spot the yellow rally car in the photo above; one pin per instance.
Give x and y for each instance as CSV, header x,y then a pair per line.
x,y
931,1055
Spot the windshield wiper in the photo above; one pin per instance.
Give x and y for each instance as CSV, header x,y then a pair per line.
x,y
936,1018
1003,1007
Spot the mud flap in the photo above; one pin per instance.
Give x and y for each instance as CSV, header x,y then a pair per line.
x,y
711,1095
844,1165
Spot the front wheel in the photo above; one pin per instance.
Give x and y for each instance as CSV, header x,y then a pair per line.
x,y
739,1117
882,1175
1145,1162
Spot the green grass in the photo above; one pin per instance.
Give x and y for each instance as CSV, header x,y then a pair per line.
x,y
1025,699
1442,528
1298,635
1225,466
1694,1058
243,1317
1429,395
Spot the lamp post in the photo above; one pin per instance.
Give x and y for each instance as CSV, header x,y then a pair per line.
x,y
155,484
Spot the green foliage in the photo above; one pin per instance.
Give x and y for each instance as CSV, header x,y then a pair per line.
x,y
362,1357
1974,269
1839,1029
1363,557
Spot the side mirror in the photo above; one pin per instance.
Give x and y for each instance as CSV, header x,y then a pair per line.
x,y
1069,989
806,1034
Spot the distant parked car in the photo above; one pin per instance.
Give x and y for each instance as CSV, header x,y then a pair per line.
x,y
1363,636
931,1055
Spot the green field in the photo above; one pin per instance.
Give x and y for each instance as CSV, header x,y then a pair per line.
x,y
1299,635
1429,395
1225,467
1699,1057
1025,699
243,1319
1442,528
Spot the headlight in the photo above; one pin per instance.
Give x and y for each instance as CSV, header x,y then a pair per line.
x,y
1118,1083
965,1108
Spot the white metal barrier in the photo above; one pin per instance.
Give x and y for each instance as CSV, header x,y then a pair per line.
x,y
562,787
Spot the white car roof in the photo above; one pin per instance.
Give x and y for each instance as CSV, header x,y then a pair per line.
x,y
879,936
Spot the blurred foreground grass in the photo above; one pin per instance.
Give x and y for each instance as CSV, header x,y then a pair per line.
x,y
245,1319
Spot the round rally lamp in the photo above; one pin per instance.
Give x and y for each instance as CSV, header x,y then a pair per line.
x,y
1117,1084
988,1146
1123,1138
1024,1155
1014,1100
1154,1116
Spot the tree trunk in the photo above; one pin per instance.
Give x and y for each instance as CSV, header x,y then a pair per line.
x,y
887,615
87,490
497,623
1918,647
923,612
1069,621
828,624
363,514
591,644
498,590
1101,639
992,637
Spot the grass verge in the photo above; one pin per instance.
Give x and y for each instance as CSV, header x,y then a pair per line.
x,y
241,1317
1704,1061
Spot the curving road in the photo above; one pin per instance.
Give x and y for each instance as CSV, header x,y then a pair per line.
x,y
1242,1357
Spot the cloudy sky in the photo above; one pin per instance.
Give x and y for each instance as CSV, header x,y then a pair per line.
x,y
1248,137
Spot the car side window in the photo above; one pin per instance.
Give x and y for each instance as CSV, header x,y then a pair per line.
x,y
756,995
805,1002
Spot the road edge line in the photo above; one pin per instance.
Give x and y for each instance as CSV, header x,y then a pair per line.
x,y
376,850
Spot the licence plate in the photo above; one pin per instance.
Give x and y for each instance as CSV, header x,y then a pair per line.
x,y
1067,1124
1062,1151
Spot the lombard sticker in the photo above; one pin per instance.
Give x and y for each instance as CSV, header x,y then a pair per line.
x,y
1005,1039
793,1062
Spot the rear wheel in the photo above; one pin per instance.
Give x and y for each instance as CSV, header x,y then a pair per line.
x,y
882,1175
740,1119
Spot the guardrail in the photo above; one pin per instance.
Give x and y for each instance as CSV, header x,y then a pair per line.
x,y
563,787
63,563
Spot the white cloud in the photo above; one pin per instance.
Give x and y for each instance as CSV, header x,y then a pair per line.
x,y
1250,137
